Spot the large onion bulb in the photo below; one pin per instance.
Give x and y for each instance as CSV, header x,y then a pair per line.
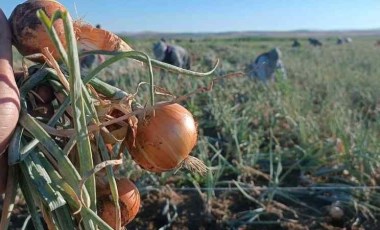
x,y
164,140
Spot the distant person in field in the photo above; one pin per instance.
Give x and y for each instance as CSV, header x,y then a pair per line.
x,y
296,43
342,41
339,41
315,42
347,40
171,54
265,66
88,61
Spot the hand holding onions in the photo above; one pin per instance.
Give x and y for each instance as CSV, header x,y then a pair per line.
x,y
162,141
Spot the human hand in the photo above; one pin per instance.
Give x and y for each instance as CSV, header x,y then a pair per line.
x,y
9,97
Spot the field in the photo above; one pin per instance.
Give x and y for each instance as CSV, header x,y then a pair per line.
x,y
302,153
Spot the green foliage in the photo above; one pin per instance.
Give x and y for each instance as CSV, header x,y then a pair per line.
x,y
325,116
319,128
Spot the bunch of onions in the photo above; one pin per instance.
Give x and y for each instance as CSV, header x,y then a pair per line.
x,y
30,36
129,200
165,139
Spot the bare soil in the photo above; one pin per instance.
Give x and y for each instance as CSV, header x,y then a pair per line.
x,y
190,210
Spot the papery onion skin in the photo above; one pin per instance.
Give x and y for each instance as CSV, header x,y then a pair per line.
x,y
29,35
165,140
129,202
92,38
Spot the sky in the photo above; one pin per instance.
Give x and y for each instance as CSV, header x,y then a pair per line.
x,y
222,15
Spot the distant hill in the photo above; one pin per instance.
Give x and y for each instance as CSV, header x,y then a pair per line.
x,y
232,34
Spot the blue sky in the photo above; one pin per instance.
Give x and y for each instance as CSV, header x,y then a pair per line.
x,y
222,15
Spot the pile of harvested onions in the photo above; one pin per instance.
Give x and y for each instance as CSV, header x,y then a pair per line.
x,y
73,128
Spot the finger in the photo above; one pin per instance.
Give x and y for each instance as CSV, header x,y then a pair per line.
x,y
9,95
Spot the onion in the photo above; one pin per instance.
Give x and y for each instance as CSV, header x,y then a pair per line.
x,y
30,36
164,141
129,200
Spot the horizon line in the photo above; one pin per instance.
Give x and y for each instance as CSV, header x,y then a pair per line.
x,y
248,31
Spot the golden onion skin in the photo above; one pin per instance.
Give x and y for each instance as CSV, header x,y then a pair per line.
x,y
163,141
29,35
129,201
